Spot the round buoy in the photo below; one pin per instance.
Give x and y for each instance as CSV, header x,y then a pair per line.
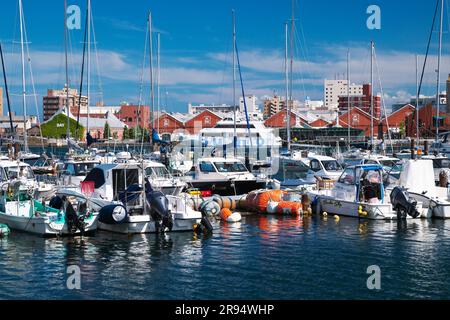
x,y
225,214
4,230
337,218
325,214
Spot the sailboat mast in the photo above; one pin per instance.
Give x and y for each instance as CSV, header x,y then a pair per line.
x,y
417,100
152,91
66,41
88,65
158,77
438,85
348,98
291,100
234,82
371,95
24,93
286,71
5,80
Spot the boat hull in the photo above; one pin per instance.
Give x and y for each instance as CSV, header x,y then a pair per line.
x,y
43,227
331,205
145,224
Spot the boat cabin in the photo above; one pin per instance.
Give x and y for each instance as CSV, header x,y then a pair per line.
x,y
362,183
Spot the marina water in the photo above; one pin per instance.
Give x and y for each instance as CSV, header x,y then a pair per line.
x,y
262,257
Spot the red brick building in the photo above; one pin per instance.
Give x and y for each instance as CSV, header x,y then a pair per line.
x,y
398,118
206,119
427,122
320,123
168,123
133,116
362,102
279,120
359,119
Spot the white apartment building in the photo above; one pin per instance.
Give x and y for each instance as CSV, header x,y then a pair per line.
x,y
335,88
251,101
195,109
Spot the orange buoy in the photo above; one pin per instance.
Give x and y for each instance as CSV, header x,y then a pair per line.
x,y
292,208
225,214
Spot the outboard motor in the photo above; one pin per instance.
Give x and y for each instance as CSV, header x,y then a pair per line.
x,y
74,222
403,204
159,208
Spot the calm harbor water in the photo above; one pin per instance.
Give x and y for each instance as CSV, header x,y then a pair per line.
x,y
260,258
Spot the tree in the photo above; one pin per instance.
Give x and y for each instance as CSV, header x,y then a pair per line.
x,y
402,129
126,134
106,131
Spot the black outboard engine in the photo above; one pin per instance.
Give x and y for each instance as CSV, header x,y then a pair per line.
x,y
159,208
403,204
74,222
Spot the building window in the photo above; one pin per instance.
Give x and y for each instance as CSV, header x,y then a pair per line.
x,y
166,123
207,120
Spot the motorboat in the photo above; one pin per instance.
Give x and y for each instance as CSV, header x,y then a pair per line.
x,y
418,178
75,170
135,207
322,168
11,170
63,216
359,193
223,176
160,179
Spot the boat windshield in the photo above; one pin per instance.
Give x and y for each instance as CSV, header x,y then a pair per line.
x,y
332,165
80,169
441,163
19,172
388,164
159,172
230,167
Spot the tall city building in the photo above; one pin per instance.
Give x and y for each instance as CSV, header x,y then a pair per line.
x,y
251,103
56,100
333,89
362,102
273,106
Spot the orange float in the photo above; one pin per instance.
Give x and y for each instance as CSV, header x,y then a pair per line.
x,y
292,208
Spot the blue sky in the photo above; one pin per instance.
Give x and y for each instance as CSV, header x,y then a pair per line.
x,y
196,47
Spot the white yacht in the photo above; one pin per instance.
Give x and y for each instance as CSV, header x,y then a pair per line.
x,y
322,168
160,179
223,176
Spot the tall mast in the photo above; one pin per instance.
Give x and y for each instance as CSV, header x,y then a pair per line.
x,y
438,85
24,92
234,81
417,100
291,100
286,72
152,91
158,79
348,97
88,65
371,95
66,40
5,80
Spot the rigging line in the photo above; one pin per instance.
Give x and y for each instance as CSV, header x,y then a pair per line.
x,y
99,75
426,59
243,94
32,83
7,92
383,102
141,87
82,74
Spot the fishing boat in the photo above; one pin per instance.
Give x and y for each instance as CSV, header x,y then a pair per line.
x,y
20,211
418,178
11,170
223,176
359,193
